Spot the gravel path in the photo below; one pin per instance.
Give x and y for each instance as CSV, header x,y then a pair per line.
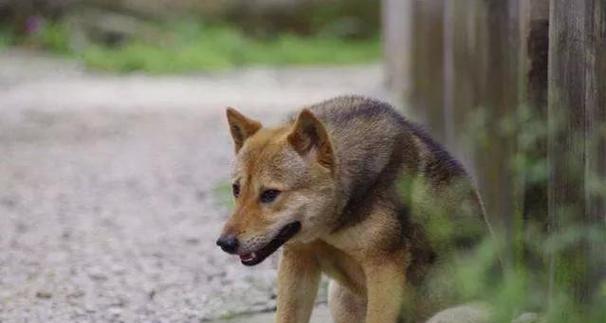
x,y
113,189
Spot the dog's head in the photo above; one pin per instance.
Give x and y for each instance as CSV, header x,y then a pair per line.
x,y
283,183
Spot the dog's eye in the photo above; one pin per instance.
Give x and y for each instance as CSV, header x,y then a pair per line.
x,y
235,188
269,195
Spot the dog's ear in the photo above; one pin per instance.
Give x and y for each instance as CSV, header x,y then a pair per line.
x,y
241,127
308,133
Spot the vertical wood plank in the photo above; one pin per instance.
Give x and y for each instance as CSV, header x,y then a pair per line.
x,y
428,73
595,95
467,61
565,145
534,34
499,98
534,49
398,23
448,54
595,168
576,142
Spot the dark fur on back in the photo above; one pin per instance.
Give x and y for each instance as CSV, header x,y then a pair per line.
x,y
376,124
374,145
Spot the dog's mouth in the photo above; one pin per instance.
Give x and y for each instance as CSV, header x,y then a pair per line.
x,y
256,257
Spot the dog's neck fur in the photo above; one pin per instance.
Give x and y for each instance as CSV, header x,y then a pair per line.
x,y
372,161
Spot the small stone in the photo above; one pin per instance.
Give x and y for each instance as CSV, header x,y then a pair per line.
x,y
527,318
115,311
44,294
192,241
97,274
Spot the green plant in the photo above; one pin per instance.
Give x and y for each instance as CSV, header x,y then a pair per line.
x,y
6,38
543,268
194,47
189,46
51,36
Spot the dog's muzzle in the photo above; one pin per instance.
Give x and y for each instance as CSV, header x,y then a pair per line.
x,y
230,245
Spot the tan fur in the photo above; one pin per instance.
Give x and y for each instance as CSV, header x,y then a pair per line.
x,y
299,276
381,207
345,305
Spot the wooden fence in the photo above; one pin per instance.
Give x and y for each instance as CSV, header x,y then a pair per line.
x,y
496,70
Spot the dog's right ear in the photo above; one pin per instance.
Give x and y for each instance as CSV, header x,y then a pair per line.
x,y
309,133
241,127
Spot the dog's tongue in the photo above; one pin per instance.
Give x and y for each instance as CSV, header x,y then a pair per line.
x,y
248,256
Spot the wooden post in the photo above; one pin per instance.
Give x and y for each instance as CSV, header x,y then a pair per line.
x,y
428,74
596,160
464,60
534,36
398,20
499,98
534,49
577,83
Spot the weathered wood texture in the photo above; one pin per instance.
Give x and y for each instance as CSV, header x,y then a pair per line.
x,y
397,44
577,81
512,66
532,86
463,58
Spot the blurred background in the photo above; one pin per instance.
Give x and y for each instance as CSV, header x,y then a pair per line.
x,y
115,153
160,36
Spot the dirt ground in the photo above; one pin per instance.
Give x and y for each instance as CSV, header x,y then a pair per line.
x,y
112,189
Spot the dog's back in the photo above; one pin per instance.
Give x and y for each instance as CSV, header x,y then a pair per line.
x,y
384,158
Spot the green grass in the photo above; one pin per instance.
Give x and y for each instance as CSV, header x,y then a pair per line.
x,y
6,38
222,48
54,37
191,47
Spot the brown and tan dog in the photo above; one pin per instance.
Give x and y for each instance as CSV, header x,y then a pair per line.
x,y
353,190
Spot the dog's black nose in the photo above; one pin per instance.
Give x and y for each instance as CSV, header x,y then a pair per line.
x,y
229,243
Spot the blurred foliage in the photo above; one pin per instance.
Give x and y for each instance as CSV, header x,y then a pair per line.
x,y
522,289
51,36
188,36
195,47
6,38
342,18
356,18
545,265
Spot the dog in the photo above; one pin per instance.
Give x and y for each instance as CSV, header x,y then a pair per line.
x,y
350,188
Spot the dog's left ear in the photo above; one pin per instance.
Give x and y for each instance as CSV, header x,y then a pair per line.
x,y
309,134
241,127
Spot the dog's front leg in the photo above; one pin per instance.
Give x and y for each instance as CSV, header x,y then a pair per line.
x,y
386,289
298,280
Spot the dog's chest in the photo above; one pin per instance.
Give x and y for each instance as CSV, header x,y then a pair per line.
x,y
342,268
